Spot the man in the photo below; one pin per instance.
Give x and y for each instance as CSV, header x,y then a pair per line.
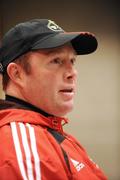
x,y
39,80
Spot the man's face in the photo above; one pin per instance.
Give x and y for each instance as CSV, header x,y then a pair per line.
x,y
51,83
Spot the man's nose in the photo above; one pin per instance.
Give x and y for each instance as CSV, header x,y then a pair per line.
x,y
70,73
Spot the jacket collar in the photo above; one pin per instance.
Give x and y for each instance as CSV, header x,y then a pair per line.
x,y
11,111
26,105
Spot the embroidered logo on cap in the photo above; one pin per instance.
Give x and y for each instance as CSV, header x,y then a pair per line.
x,y
53,26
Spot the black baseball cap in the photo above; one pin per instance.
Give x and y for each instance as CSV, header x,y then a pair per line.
x,y
41,34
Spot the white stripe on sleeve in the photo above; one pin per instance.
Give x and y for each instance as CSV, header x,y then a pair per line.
x,y
34,151
27,151
18,149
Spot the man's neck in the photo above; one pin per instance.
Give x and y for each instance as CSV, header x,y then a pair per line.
x,y
26,105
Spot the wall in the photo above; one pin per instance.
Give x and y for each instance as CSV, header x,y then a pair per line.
x,y
95,120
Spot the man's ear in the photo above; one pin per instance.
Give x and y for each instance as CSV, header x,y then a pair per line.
x,y
15,73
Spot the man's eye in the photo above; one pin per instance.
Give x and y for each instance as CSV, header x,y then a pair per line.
x,y
57,61
73,61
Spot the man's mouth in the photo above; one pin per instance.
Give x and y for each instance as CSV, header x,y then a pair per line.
x,y
70,90
67,93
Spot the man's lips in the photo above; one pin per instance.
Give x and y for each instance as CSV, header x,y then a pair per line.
x,y
67,90
67,93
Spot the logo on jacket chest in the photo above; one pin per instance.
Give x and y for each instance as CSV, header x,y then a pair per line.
x,y
78,166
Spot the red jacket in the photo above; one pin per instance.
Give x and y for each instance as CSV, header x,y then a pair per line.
x,y
34,147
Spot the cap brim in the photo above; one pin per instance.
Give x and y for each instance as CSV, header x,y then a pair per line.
x,y
82,42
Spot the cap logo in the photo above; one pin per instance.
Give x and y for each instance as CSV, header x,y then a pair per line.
x,y
53,26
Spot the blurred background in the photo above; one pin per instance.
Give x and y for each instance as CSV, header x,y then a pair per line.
x,y
95,120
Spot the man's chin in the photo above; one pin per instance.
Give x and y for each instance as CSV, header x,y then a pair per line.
x,y
64,110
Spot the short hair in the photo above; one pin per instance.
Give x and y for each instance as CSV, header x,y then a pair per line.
x,y
23,61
